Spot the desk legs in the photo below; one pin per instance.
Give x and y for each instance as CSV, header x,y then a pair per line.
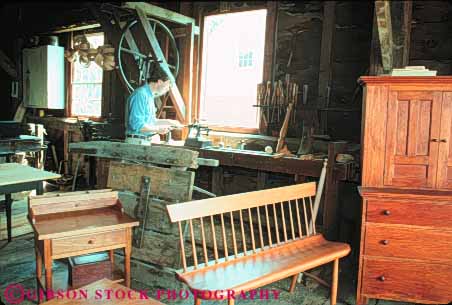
x,y
8,203
40,188
48,263
38,271
127,253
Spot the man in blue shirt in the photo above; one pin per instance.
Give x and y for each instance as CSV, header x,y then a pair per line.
x,y
142,123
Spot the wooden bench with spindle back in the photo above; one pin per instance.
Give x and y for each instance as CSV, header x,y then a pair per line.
x,y
277,233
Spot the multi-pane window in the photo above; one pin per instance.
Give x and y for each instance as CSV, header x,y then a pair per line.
x,y
87,83
245,59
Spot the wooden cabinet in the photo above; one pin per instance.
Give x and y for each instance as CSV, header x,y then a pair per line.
x,y
407,132
406,246
406,232
445,146
413,125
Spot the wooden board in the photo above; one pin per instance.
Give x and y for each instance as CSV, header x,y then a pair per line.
x,y
162,155
172,184
81,222
13,173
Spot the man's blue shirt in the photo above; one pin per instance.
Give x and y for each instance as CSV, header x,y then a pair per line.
x,y
141,109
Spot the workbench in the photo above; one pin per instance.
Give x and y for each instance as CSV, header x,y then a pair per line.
x,y
15,178
265,162
77,223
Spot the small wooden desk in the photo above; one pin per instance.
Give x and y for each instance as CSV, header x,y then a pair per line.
x,y
103,286
77,223
16,178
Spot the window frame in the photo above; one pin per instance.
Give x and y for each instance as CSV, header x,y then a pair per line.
x,y
70,74
269,51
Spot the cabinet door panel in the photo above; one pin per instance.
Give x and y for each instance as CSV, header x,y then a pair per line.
x,y
412,130
445,146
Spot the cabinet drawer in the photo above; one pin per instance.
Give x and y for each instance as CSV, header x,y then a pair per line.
x,y
71,246
410,213
416,243
405,280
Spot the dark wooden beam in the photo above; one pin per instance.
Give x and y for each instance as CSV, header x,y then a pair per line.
x,y
270,41
401,12
8,65
384,24
326,58
159,12
376,67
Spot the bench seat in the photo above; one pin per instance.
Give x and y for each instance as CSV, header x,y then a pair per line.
x,y
256,270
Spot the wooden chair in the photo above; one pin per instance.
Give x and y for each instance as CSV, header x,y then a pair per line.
x,y
274,228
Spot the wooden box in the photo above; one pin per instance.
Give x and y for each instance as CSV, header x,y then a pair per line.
x,y
86,269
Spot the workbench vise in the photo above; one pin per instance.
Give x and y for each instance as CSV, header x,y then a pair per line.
x,y
195,137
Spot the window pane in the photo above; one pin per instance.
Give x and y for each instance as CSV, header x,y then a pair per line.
x,y
87,84
86,99
233,57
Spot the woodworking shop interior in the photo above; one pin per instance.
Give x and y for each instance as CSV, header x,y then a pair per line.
x,y
216,152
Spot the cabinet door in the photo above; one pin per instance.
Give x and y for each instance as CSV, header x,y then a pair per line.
x,y
413,127
444,179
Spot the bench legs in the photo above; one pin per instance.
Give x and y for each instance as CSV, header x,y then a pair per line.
x,y
334,281
294,283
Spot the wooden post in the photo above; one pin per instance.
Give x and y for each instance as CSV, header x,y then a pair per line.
x,y
331,206
401,12
270,49
187,85
326,59
217,184
261,180
383,16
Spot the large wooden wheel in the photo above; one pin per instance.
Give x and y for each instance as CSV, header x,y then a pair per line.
x,y
135,56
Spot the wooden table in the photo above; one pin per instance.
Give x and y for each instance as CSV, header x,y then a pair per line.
x,y
16,178
103,286
78,223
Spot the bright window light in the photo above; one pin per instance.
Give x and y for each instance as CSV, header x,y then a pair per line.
x,y
87,84
232,66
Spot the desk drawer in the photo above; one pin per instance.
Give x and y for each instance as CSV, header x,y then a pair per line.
x,y
407,280
410,213
72,246
403,242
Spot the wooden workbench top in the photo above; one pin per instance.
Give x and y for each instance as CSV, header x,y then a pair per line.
x,y
75,223
13,173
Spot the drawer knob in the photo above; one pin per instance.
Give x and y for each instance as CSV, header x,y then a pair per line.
x,y
385,242
381,278
387,212
90,241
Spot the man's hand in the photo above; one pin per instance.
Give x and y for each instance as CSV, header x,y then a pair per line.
x,y
163,130
167,122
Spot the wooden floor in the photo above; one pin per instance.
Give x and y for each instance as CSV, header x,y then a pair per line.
x,y
17,265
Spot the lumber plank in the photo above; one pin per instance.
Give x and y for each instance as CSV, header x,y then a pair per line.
x,y
162,155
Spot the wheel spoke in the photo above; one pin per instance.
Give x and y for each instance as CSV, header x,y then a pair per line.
x,y
133,52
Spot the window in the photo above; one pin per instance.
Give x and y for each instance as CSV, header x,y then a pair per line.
x,y
86,99
246,59
232,66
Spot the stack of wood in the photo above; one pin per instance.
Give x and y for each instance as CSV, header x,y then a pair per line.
x,y
274,100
